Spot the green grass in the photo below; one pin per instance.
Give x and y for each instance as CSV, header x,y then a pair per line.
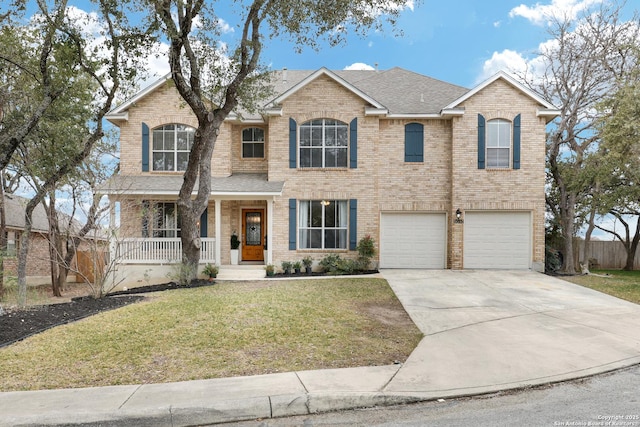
x,y
230,329
621,284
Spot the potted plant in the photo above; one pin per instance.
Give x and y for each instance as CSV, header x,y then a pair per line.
x,y
296,267
270,269
286,267
307,262
235,244
211,271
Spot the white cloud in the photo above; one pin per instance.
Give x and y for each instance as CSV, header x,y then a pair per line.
x,y
224,26
359,66
497,24
370,44
539,14
507,60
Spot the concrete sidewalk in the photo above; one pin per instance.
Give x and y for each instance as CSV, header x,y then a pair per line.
x,y
484,331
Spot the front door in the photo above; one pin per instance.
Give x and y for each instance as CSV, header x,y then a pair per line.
x,y
253,234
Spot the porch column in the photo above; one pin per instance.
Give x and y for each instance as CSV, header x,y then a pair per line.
x,y
269,259
218,208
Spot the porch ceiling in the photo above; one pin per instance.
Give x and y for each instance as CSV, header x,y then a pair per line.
x,y
237,186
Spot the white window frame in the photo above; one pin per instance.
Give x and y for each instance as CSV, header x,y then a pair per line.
x,y
309,232
171,152
160,222
325,130
499,141
253,142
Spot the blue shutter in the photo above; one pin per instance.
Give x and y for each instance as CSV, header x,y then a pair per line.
x,y
414,142
353,128
516,142
203,224
293,139
145,147
292,224
353,224
481,142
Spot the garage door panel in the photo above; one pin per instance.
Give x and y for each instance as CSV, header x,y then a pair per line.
x,y
412,240
500,240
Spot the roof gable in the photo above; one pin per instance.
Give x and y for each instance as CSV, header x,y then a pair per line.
x,y
316,74
548,109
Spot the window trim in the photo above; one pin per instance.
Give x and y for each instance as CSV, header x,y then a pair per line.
x,y
151,221
175,151
324,147
253,142
488,144
343,208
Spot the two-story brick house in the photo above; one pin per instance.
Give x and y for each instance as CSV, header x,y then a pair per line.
x,y
441,176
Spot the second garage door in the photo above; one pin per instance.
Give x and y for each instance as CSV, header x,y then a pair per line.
x,y
499,240
413,240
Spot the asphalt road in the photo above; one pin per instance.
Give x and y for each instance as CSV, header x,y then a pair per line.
x,y
611,399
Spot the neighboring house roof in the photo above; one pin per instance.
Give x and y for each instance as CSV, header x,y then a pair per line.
x,y
14,213
235,186
394,93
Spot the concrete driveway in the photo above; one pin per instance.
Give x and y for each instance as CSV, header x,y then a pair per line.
x,y
494,330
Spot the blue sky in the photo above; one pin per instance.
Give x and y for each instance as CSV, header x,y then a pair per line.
x,y
461,42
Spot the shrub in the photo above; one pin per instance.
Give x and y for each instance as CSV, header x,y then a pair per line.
x,y
366,250
335,265
182,273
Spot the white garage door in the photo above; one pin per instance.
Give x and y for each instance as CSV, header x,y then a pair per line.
x,y
413,240
499,240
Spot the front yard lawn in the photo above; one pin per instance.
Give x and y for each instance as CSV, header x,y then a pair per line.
x,y
621,284
230,329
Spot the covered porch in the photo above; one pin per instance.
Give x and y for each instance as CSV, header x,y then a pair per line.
x,y
240,204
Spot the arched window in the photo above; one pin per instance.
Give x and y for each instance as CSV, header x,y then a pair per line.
x,y
324,143
171,146
253,143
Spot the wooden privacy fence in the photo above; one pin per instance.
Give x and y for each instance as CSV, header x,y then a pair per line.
x,y
90,264
605,254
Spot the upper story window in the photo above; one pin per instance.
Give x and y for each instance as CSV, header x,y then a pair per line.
x,y
498,144
171,146
253,143
414,143
324,144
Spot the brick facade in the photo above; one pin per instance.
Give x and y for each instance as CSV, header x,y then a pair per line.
x,y
447,179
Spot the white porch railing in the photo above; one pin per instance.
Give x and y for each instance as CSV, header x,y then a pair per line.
x,y
160,250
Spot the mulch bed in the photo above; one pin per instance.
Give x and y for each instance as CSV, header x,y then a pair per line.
x,y
17,324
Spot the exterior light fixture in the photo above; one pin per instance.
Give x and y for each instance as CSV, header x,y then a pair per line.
x,y
459,219
325,202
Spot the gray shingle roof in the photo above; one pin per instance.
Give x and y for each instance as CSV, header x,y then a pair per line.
x,y
14,213
399,90
169,185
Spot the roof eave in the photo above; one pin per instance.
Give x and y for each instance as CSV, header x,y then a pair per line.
x,y
548,114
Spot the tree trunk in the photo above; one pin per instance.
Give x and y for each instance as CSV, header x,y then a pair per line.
x,y
191,209
567,210
55,245
3,236
631,251
586,251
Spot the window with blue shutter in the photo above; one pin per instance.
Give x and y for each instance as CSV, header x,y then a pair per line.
x,y
203,224
481,141
516,142
353,143
414,142
293,138
292,224
353,224
145,147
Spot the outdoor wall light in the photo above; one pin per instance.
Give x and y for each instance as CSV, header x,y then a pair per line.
x,y
459,216
325,202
